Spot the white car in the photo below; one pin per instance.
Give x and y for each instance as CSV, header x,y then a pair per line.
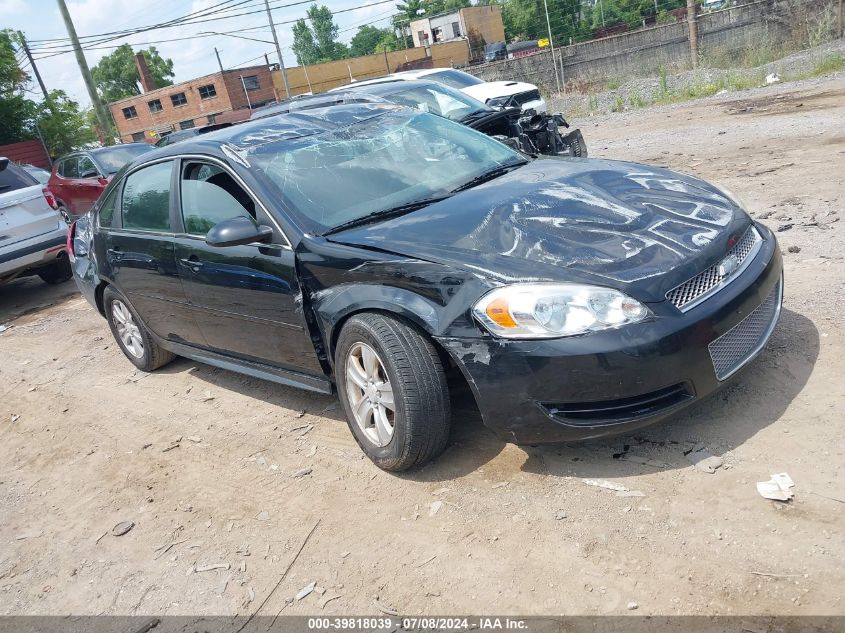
x,y
493,93
32,233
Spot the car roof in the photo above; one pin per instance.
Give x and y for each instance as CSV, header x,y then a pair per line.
x,y
279,127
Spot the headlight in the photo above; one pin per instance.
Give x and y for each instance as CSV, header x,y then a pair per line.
x,y
498,102
555,310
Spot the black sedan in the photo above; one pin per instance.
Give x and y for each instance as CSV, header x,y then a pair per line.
x,y
368,249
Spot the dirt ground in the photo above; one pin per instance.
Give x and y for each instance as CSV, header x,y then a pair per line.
x,y
203,460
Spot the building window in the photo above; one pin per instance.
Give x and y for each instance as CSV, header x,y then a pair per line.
x,y
179,99
212,118
186,125
137,137
130,112
422,36
207,92
251,82
456,29
155,105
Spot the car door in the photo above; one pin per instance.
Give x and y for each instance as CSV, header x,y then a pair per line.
x,y
246,298
66,171
89,185
138,249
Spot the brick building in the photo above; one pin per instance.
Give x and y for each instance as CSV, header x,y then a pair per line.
x,y
482,23
194,103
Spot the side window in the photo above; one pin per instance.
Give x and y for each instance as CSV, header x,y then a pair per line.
x,y
70,169
87,168
210,195
106,214
146,198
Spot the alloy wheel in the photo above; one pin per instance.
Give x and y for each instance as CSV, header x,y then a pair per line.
x,y
370,394
127,329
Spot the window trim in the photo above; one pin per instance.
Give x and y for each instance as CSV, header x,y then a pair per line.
x,y
160,106
179,105
119,203
211,96
188,158
131,109
175,199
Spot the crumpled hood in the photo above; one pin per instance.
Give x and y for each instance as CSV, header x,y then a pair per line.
x,y
641,229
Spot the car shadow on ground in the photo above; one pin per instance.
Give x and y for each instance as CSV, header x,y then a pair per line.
x,y
756,398
29,294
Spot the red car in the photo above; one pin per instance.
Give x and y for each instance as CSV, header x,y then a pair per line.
x,y
78,179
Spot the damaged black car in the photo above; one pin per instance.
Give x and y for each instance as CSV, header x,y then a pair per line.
x,y
370,250
527,131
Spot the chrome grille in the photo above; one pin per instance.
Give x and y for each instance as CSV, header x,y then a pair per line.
x,y
695,290
741,343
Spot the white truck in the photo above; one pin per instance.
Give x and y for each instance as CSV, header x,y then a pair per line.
x,y
33,235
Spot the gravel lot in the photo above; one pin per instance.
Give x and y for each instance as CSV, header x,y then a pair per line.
x,y
203,460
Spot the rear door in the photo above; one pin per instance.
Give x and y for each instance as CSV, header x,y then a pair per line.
x,y
24,212
88,186
246,299
139,253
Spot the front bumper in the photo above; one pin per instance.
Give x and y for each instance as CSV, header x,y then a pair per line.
x,y
612,382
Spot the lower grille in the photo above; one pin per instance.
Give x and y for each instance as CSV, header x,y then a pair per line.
x,y
741,343
621,409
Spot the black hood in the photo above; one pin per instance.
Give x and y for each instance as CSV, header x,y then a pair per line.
x,y
641,229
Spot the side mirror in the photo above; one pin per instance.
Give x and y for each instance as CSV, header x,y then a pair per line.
x,y
238,231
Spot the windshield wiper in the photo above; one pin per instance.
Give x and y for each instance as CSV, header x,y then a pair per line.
x,y
489,175
384,214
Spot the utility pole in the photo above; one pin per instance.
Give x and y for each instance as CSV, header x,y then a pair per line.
x,y
219,63
552,45
278,48
37,74
102,119
693,32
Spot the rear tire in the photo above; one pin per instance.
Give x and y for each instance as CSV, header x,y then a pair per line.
x,y
57,272
406,374
132,335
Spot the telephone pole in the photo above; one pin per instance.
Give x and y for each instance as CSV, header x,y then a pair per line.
x,y
37,74
102,118
219,63
552,45
693,32
278,48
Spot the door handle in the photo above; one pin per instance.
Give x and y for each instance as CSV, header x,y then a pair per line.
x,y
193,263
115,253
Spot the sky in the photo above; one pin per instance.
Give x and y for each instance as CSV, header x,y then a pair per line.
x,y
41,21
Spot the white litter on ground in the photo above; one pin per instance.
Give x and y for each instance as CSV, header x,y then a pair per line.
x,y
778,488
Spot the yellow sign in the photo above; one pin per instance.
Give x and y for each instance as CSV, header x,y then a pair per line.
x,y
543,43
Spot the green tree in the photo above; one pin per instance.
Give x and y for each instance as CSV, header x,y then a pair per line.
x,y
369,40
116,76
63,125
16,111
364,42
318,42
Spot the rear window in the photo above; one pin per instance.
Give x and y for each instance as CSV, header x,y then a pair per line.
x,y
454,78
13,178
111,159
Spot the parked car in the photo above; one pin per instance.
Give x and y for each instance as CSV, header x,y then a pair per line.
x,y
78,179
527,132
181,135
495,51
374,250
32,233
493,93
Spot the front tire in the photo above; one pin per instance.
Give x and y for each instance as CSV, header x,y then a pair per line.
x,y
393,390
131,334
